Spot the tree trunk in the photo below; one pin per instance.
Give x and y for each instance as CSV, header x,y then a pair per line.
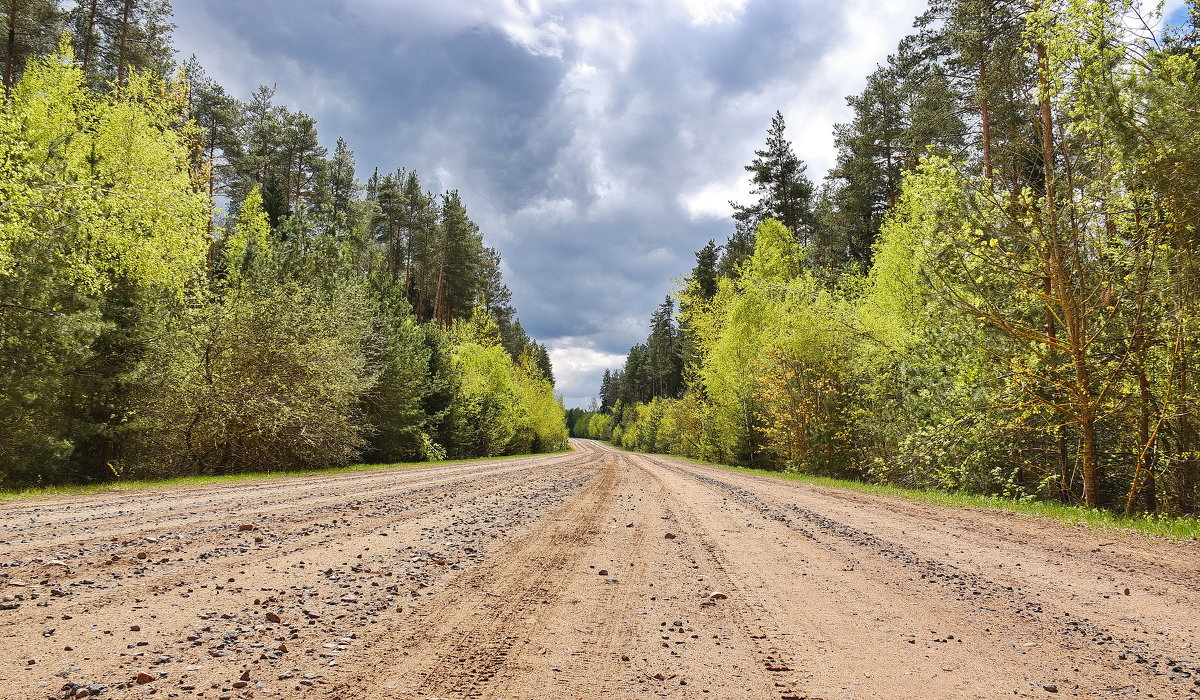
x,y
88,37
1087,426
122,53
985,118
10,63
393,256
1187,483
1050,224
437,296
1145,459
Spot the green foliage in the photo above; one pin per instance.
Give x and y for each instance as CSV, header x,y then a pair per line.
x,y
501,408
141,335
102,227
985,306
266,378
250,237
396,405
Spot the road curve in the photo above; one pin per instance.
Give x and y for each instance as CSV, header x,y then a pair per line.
x,y
597,573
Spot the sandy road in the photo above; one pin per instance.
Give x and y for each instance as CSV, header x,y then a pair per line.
x,y
595,573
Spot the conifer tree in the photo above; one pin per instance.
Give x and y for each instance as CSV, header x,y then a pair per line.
x,y
28,28
783,191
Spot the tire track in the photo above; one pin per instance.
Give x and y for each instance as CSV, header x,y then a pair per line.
x,y
743,605
466,643
977,595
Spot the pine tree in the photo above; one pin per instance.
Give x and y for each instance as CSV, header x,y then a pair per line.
x,y
30,28
115,38
459,260
783,191
219,119
704,274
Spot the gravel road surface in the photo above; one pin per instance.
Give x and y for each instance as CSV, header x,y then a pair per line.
x,y
597,573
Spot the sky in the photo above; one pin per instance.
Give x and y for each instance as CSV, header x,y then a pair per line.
x,y
597,143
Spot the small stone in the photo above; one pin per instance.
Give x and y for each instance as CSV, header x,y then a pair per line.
x,y
272,617
1050,688
669,536
245,527
717,595
245,675
603,572
135,628
144,678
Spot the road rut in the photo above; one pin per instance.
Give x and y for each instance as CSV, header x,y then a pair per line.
x,y
597,573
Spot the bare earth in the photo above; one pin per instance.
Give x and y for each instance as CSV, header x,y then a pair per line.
x,y
596,573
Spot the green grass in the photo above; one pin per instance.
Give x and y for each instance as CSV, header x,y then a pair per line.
x,y
123,486
1067,515
1181,528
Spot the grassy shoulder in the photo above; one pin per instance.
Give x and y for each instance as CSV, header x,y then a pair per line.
x,y
1180,528
125,486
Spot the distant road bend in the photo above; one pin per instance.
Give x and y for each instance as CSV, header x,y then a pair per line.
x,y
597,573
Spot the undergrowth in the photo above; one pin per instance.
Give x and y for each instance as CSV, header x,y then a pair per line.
x,y
1182,528
123,485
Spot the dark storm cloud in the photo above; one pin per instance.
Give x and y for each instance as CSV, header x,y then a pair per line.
x,y
595,143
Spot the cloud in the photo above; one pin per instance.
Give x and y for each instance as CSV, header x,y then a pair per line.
x,y
596,144
578,367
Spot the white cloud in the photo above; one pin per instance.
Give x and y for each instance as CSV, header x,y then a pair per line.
x,y
578,367
597,144
706,12
711,201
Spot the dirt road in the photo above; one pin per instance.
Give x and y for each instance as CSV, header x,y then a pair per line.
x,y
590,574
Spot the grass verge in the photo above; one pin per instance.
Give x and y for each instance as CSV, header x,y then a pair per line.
x,y
1181,528
1067,515
123,486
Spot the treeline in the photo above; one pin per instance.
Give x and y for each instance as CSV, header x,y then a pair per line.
x,y
145,333
994,290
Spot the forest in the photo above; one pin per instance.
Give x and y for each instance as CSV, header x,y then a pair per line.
x,y
190,283
993,291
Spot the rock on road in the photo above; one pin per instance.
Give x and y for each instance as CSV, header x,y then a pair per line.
x,y
596,573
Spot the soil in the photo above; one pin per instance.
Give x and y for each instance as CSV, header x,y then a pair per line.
x,y
597,573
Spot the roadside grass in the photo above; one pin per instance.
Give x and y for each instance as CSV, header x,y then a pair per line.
x,y
181,482
1180,528
1067,515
